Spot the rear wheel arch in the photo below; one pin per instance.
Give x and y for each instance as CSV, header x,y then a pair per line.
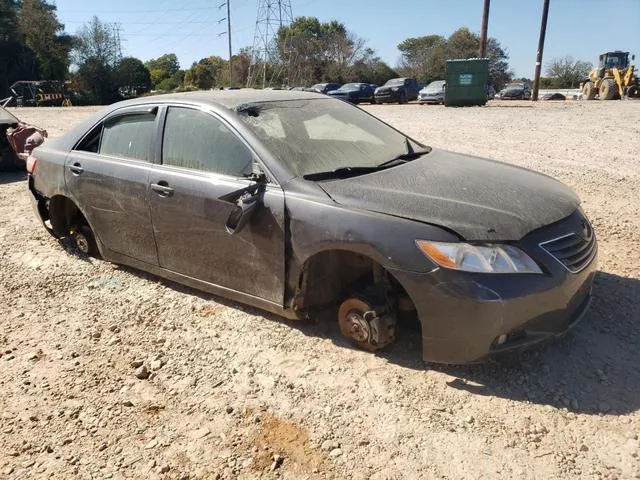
x,y
65,215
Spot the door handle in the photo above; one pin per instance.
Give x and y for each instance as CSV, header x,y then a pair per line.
x,y
162,188
76,168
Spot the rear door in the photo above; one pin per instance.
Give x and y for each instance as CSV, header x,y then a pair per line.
x,y
203,159
107,175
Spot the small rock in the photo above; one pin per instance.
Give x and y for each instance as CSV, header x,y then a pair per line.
x,y
102,447
363,443
28,464
137,363
584,448
164,469
8,470
127,403
336,452
142,372
156,365
277,461
229,409
113,341
469,419
33,356
13,453
96,335
247,463
153,443
329,445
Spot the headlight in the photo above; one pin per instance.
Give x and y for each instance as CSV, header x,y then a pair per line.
x,y
488,258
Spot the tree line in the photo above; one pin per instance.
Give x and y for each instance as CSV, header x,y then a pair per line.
x,y
35,46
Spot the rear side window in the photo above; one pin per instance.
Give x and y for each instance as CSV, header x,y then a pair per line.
x,y
197,140
129,136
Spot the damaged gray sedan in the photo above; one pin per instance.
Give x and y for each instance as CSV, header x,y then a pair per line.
x,y
291,202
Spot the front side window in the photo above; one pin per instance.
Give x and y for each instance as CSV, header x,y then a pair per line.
x,y
194,139
128,136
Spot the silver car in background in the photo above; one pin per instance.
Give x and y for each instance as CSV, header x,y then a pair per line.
x,y
432,93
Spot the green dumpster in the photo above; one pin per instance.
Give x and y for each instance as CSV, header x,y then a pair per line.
x,y
466,82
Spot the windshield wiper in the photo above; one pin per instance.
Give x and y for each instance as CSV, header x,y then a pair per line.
x,y
409,155
342,172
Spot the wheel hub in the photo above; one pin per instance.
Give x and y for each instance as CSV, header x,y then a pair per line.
x,y
82,243
358,327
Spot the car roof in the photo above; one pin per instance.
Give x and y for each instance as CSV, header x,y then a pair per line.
x,y
229,99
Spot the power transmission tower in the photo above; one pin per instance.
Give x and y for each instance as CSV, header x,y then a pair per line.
x,y
228,34
272,15
117,42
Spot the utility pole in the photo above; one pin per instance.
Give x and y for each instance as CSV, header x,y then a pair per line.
x,y
543,33
483,33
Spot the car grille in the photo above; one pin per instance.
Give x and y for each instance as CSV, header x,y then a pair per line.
x,y
574,251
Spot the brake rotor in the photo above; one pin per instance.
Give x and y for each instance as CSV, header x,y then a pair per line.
x,y
353,325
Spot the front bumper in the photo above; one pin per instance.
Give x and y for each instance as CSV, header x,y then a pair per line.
x,y
430,99
463,314
387,97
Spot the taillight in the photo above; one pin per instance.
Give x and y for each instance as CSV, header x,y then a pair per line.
x,y
31,164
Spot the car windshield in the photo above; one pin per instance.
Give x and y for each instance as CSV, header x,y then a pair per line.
x,y
319,86
350,86
513,86
395,82
435,86
311,136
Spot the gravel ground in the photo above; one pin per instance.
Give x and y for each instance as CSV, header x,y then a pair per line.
x,y
232,392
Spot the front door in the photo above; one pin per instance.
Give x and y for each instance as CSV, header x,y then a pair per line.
x,y
203,160
107,175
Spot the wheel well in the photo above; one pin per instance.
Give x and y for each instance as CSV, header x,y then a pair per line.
x,y
64,215
330,276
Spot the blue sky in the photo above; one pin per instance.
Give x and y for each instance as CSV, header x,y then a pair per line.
x,y
189,28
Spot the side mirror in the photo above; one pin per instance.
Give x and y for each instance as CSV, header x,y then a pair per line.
x,y
246,200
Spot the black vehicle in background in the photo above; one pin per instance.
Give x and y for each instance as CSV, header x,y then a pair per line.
x,y
323,87
400,90
355,93
516,91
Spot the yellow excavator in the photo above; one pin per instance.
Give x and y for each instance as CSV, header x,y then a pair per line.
x,y
614,78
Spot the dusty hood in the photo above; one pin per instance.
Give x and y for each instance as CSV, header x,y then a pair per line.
x,y
477,198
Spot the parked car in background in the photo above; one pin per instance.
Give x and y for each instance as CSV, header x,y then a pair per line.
x,y
553,96
295,202
400,90
323,87
432,93
17,139
354,93
516,91
491,92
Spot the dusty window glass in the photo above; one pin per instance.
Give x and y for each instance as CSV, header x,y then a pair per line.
x,y
195,139
128,136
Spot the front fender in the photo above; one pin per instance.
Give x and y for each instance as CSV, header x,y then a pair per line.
x,y
316,226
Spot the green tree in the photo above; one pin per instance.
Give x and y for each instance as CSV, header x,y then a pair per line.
x,y
97,41
568,72
163,68
317,51
426,57
98,82
133,77
44,34
206,73
17,60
